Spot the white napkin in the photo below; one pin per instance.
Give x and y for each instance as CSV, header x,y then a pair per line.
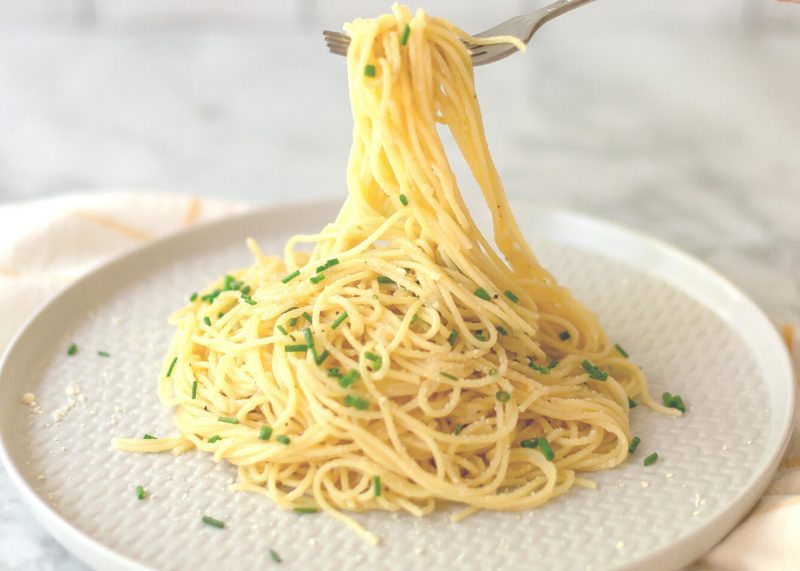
x,y
46,244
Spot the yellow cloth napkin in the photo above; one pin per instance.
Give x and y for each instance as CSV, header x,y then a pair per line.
x,y
46,244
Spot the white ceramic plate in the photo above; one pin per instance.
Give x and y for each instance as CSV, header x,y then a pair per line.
x,y
691,331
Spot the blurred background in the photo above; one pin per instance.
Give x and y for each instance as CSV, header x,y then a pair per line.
x,y
680,118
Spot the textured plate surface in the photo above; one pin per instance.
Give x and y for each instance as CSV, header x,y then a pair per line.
x,y
691,331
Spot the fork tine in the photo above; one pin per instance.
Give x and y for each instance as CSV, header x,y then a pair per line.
x,y
337,42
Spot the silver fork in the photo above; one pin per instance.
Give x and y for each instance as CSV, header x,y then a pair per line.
x,y
522,27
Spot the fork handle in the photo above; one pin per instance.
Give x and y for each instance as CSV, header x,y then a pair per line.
x,y
554,10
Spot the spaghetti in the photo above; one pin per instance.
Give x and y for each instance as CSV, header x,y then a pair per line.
x,y
394,360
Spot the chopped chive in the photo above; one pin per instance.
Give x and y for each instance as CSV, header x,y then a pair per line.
x,y
632,403
376,486
413,318
459,428
149,437
316,279
332,262
289,277
282,329
385,280
673,401
530,443
171,367
140,492
544,446
356,402
207,320
229,283
322,356
214,439
194,389
292,322
479,336
403,200
564,335
448,376
483,294
622,351
339,320
594,372
213,522
372,357
369,70
228,419
296,348
651,459
406,33
220,314
510,295
635,441
72,349
320,268
347,380
248,300
103,354
246,290
304,510
307,316
274,556
552,364
503,396
334,372
193,296
283,439
309,337
265,432
210,297
502,330
453,337
540,368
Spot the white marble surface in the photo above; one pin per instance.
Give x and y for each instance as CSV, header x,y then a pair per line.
x,y
686,128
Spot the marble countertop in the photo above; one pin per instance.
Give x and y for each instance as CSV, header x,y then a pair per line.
x,y
690,136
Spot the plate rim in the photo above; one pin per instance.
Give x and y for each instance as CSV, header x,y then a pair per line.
x,y
554,221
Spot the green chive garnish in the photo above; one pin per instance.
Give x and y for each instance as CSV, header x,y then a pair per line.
x,y
334,372
171,367
304,510
356,402
347,380
453,337
265,432
193,296
413,318
292,322
207,321
503,396
332,262
385,280
282,329
149,437
214,439
449,376
479,335
246,290
289,277
72,349
564,335
502,330
530,443
540,368
210,297
673,401
459,428
140,492
317,278
228,419
651,459
635,441
229,283
322,356
544,446
307,316
374,358
248,300
594,372
310,342
194,389
296,348
283,439
103,354
510,295
274,556
403,200
622,351
632,403
339,320
369,70
483,294
406,33
376,486
213,522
